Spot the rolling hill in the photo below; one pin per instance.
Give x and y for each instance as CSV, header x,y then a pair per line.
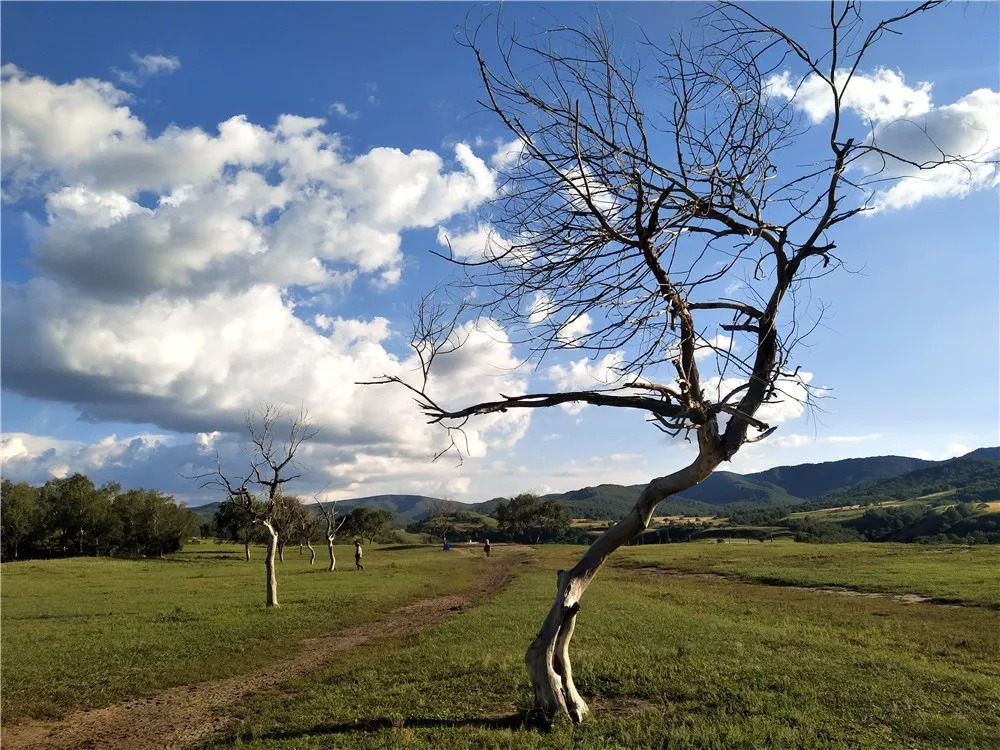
x,y
835,482
954,474
815,480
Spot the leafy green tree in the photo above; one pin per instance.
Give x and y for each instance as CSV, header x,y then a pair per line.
x,y
151,524
233,523
513,516
529,518
552,519
80,518
367,523
20,517
71,516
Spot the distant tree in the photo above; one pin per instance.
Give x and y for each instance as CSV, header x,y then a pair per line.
x,y
368,523
260,491
551,520
329,513
21,517
79,518
289,519
233,523
306,523
513,516
151,524
440,519
73,516
528,517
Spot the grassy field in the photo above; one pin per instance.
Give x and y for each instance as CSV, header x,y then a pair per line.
x,y
665,661
678,663
850,512
86,632
957,574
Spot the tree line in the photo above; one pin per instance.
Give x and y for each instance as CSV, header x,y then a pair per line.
x,y
72,516
524,518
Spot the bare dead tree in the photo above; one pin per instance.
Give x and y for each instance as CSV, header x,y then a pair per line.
x,y
332,527
652,201
260,491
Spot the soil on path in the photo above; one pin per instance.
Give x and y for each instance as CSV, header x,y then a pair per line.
x,y
185,715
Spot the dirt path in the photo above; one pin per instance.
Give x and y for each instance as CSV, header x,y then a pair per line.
x,y
188,714
839,590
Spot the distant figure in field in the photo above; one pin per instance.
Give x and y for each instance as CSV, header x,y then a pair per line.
x,y
357,555
486,548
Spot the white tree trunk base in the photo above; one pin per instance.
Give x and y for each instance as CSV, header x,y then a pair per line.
x,y
272,578
548,661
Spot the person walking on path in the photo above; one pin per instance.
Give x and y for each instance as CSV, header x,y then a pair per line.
x,y
357,555
486,548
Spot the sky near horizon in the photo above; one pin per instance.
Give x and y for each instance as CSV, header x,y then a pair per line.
x,y
206,206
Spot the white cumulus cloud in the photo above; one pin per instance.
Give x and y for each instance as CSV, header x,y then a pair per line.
x,y
179,275
903,122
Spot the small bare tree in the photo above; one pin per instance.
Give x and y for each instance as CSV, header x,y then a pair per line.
x,y
260,491
306,525
649,202
332,527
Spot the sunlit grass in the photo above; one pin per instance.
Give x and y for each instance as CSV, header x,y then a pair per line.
x,y
665,661
86,632
678,663
956,573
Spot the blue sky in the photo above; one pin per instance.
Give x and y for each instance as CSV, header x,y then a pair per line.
x,y
143,313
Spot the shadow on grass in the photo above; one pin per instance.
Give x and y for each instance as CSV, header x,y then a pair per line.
x,y
514,721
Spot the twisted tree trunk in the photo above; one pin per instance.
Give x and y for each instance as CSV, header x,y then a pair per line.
x,y
246,548
547,658
281,551
272,579
312,552
329,546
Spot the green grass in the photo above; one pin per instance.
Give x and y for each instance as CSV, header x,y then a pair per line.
x,y
958,574
666,662
678,663
87,632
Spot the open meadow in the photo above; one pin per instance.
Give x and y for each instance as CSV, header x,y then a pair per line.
x,y
687,645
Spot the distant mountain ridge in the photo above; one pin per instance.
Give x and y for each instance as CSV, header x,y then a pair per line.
x,y
957,473
779,486
808,481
